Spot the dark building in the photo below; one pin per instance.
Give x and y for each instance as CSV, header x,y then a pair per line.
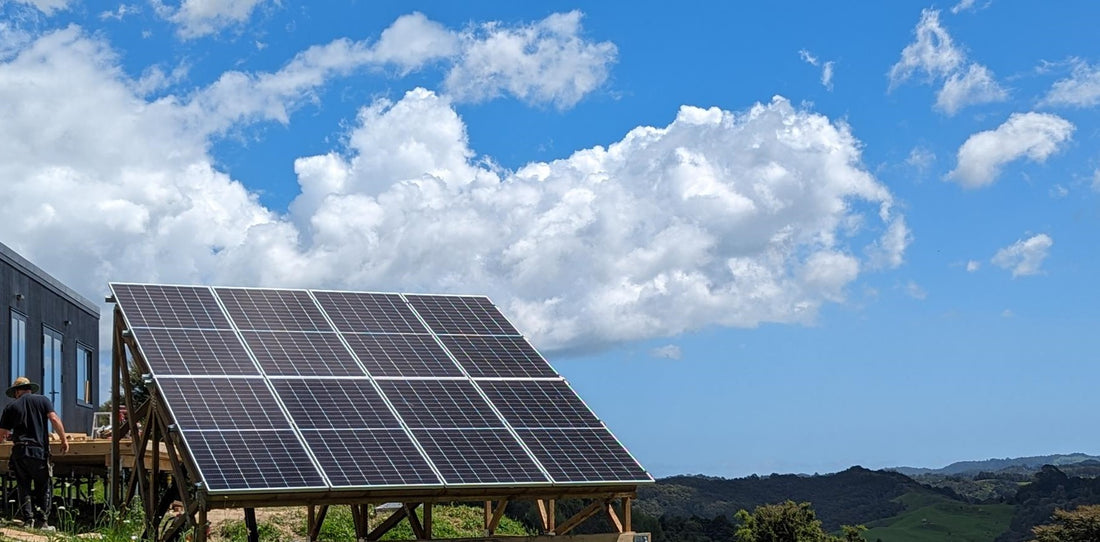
x,y
51,335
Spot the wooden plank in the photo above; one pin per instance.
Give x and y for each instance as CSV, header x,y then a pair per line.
x,y
315,532
497,514
579,517
613,517
627,525
414,522
543,516
390,523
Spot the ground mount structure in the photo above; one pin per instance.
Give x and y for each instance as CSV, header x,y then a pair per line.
x,y
279,397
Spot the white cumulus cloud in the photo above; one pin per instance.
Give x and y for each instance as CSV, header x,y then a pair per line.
x,y
740,218
1024,257
934,54
197,18
545,62
1081,89
1034,136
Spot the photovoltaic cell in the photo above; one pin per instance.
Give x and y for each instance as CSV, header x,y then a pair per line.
x,y
582,455
210,352
489,357
240,460
402,355
451,404
370,458
335,404
539,403
461,315
272,310
150,305
287,353
369,313
485,456
222,403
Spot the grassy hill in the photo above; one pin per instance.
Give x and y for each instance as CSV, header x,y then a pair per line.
x,y
1031,464
935,518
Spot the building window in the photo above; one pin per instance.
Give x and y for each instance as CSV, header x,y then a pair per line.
x,y
84,371
18,345
51,368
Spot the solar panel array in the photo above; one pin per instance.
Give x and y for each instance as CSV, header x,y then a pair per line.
x,y
286,390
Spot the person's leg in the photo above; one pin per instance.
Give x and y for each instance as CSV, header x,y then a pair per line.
x,y
19,468
42,492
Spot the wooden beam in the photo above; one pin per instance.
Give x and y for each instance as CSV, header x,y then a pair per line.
x,y
427,520
579,517
552,512
113,497
543,516
627,525
414,522
200,525
319,519
497,514
488,514
613,517
359,521
250,524
390,523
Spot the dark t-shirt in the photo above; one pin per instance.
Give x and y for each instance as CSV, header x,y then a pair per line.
x,y
27,418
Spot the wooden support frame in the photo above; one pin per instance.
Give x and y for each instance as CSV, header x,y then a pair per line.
x,y
581,516
494,521
388,524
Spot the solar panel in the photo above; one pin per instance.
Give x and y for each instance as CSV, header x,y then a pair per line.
x,y
370,458
449,404
272,310
333,403
461,315
402,355
222,403
211,352
485,456
150,305
494,357
284,390
369,313
251,460
582,455
288,353
539,403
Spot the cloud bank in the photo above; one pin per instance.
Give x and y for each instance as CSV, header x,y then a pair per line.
x,y
719,218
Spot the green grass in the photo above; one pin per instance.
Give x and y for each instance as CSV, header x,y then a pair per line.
x,y
447,522
933,518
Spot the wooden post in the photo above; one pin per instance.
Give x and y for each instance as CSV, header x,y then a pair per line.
x,y
414,522
250,524
488,514
116,435
427,520
543,516
627,526
319,519
200,527
552,513
495,520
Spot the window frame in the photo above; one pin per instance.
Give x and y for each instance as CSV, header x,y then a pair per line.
x,y
15,317
84,393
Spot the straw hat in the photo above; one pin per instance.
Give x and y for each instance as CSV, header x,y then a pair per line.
x,y
22,383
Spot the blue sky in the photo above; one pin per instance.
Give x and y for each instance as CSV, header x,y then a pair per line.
x,y
786,237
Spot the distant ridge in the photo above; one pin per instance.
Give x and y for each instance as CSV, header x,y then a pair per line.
x,y
994,465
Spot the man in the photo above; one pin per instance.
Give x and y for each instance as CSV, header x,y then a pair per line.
x,y
25,419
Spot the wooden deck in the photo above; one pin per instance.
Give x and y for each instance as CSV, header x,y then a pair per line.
x,y
87,454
